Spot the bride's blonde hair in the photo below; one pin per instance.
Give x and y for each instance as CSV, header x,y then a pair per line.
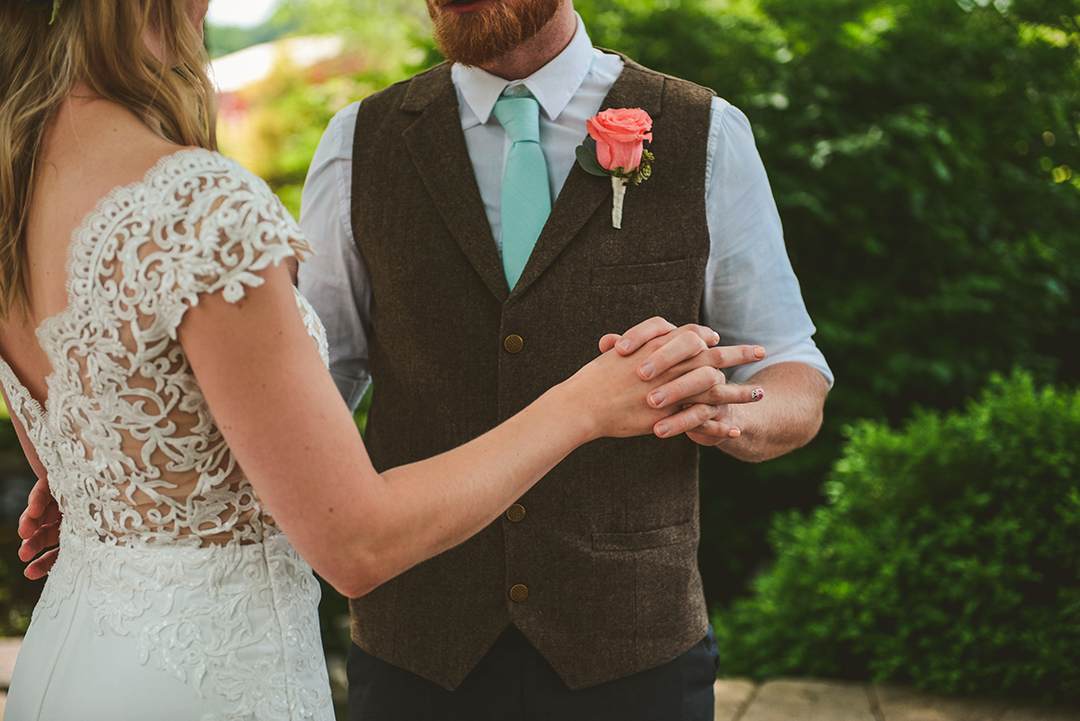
x,y
98,43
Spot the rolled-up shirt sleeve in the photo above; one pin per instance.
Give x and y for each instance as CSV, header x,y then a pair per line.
x,y
751,293
335,279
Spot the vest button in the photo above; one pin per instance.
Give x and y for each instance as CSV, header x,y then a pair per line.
x,y
513,343
518,593
516,512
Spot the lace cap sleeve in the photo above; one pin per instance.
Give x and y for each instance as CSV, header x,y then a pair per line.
x,y
226,226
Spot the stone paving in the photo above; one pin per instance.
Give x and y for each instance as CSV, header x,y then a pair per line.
x,y
803,700
817,700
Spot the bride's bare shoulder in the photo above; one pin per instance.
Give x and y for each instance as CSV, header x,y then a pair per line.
x,y
91,147
97,145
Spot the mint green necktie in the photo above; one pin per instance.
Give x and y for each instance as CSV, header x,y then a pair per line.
x,y
526,198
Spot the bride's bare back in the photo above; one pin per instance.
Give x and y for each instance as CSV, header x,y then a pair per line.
x,y
91,147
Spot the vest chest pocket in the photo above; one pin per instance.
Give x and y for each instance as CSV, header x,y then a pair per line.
x,y
641,274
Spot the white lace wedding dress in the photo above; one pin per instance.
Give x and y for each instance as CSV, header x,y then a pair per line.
x,y
174,595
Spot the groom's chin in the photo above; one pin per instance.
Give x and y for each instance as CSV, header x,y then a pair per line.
x,y
486,32
480,32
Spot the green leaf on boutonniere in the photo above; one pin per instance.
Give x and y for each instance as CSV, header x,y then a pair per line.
x,y
645,169
586,157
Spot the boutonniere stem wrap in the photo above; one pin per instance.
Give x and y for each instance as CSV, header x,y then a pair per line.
x,y
615,148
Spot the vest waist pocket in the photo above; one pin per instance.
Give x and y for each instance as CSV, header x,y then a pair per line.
x,y
656,538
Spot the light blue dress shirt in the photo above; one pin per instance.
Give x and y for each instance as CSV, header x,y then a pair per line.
x,y
751,293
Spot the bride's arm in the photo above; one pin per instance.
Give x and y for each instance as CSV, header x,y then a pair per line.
x,y
284,420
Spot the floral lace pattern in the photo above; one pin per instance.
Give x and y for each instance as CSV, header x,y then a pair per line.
x,y
162,534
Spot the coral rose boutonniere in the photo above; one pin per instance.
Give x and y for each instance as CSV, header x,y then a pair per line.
x,y
615,148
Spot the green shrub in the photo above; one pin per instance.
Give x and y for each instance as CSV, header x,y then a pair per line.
x,y
948,555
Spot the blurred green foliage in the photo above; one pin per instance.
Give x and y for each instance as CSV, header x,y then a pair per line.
x,y
225,39
948,555
18,595
922,155
372,22
385,41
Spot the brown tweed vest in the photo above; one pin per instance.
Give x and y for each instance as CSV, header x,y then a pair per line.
x,y
606,547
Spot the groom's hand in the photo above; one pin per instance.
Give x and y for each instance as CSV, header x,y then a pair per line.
x,y
39,527
692,359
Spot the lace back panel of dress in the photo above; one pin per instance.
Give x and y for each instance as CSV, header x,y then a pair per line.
x,y
141,454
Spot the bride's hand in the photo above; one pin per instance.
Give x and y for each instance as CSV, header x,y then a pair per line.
x,y
680,388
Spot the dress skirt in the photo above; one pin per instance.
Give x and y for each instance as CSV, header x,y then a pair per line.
x,y
221,633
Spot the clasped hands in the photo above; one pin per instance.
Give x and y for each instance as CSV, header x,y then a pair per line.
x,y
698,394
687,360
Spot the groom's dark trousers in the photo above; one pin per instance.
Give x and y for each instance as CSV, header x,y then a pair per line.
x,y
513,682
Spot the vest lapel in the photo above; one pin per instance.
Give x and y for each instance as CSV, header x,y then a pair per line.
x,y
437,145
583,193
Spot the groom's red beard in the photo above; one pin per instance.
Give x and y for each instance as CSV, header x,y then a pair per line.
x,y
490,32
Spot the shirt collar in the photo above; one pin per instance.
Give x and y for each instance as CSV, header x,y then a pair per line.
x,y
552,85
